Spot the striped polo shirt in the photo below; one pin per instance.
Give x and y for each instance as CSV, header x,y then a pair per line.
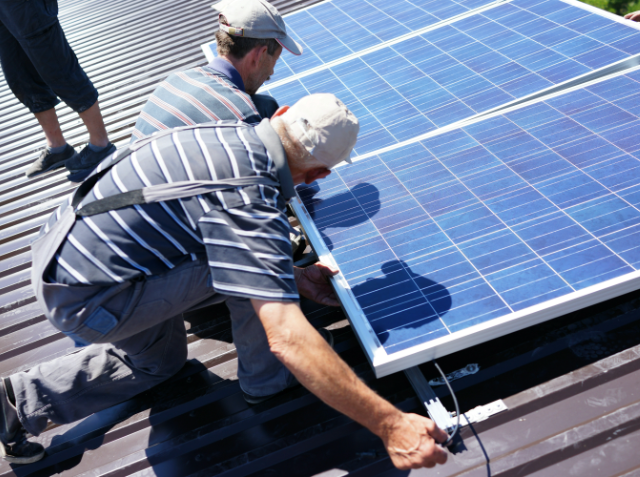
x,y
242,232
195,96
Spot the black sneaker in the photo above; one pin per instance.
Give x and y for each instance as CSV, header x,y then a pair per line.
x,y
85,162
14,446
326,334
49,161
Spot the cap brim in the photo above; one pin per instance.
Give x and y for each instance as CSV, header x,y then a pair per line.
x,y
290,45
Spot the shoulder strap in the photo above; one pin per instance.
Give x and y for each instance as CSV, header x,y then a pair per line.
x,y
272,142
171,191
182,189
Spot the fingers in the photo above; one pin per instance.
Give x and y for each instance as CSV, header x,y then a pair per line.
x,y
326,270
328,301
428,455
635,16
434,431
439,455
327,297
415,446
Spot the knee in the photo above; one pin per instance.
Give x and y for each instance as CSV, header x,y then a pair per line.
x,y
164,357
172,367
172,362
166,368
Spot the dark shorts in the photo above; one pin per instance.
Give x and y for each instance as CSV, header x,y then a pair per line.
x,y
36,59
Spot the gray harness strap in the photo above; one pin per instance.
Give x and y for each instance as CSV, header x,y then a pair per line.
x,y
45,247
163,192
183,189
68,310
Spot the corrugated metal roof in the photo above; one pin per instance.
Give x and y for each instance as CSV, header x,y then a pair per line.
x,y
572,385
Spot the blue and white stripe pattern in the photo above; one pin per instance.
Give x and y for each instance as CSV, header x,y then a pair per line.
x,y
242,232
195,96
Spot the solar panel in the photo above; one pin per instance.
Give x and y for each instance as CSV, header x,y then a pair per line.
x,y
498,191
334,29
470,66
477,231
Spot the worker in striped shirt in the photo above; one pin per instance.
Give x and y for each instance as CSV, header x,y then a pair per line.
x,y
251,37
184,219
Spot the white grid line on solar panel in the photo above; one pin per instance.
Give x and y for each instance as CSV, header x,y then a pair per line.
x,y
470,96
362,24
611,71
606,20
439,115
442,230
283,71
575,205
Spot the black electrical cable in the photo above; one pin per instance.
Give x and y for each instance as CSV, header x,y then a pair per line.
x,y
455,402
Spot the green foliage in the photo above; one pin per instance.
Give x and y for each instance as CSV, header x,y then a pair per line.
x,y
633,7
620,7
603,4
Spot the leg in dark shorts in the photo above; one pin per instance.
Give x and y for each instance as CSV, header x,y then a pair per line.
x,y
37,60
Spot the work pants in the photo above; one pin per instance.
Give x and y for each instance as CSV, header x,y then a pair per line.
x,y
139,340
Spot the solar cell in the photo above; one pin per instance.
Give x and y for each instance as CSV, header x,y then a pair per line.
x,y
449,237
338,28
467,67
331,30
476,231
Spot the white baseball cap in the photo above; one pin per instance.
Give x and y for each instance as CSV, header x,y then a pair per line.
x,y
256,19
324,126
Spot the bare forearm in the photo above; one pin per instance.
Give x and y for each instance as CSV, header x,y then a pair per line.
x,y
318,368
409,438
326,375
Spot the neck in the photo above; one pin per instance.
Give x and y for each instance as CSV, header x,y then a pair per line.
x,y
241,65
291,149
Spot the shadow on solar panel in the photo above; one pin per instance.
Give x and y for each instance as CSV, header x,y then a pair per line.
x,y
477,231
453,229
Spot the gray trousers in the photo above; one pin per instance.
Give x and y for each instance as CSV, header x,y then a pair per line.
x,y
145,345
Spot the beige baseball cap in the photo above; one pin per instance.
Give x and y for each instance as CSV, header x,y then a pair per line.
x,y
256,19
324,126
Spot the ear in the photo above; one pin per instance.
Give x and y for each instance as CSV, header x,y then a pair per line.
x,y
256,55
315,174
280,111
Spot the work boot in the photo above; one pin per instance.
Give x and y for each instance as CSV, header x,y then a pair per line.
x,y
327,335
49,161
14,446
86,161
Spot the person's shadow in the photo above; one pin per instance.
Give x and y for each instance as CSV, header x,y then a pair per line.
x,y
401,305
341,211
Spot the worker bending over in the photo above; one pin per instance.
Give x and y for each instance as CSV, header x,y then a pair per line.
x,y
178,221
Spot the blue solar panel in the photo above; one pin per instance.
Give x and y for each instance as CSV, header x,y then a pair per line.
x,y
470,66
334,29
338,28
443,235
474,225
